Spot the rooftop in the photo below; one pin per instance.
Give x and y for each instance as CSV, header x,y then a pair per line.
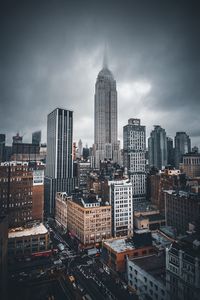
x,y
153,264
139,240
20,231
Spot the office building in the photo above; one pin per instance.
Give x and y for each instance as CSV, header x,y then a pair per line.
x,y
157,147
59,169
36,137
88,220
83,171
170,152
134,137
182,146
120,196
105,117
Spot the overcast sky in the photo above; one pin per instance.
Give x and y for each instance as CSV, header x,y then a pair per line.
x,y
52,51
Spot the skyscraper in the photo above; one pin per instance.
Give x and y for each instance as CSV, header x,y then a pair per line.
x,y
170,152
134,137
59,171
36,137
182,146
105,117
157,146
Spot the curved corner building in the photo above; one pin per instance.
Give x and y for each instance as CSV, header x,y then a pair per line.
x,y
105,118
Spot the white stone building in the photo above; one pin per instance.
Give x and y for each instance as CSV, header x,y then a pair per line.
x,y
120,195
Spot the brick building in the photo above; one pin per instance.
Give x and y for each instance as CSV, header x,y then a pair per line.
x,y
181,209
21,192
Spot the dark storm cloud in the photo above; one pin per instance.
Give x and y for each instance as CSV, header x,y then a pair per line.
x,y
51,52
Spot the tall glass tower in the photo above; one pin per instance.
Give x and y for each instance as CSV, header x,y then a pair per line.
x,y
105,117
59,171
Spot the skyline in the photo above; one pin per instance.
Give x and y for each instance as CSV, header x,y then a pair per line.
x,y
53,51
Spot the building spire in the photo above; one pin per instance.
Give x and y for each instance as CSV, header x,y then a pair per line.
x,y
105,58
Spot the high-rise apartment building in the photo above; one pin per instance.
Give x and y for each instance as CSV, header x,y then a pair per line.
x,y
157,147
59,169
134,137
105,117
182,146
120,195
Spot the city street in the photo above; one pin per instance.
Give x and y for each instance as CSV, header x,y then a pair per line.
x,y
67,274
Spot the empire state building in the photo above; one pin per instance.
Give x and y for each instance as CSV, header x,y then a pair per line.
x,y
105,117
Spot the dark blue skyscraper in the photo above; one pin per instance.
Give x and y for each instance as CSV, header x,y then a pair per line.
x,y
59,171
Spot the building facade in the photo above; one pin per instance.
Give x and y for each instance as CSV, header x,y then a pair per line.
x,y
146,276
3,256
27,241
36,137
157,147
134,138
61,209
88,221
191,165
25,188
182,146
120,196
115,251
183,270
2,146
59,165
83,171
105,117
181,208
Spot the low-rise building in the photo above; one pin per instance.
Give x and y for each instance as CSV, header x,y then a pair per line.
x,y
26,241
88,220
115,251
183,269
146,275
181,208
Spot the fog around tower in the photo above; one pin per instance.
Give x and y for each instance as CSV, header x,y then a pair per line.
x,y
52,51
